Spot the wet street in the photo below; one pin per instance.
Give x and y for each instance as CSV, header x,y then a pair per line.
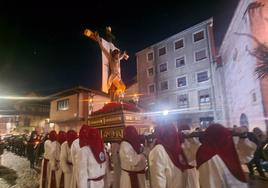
x,y
29,178
257,183
26,177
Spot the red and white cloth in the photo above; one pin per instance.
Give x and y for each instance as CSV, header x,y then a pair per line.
x,y
168,166
91,158
133,163
65,158
221,156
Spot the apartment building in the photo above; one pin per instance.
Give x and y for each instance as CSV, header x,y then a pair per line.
x,y
177,74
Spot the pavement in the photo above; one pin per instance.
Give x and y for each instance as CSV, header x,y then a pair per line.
x,y
257,182
29,178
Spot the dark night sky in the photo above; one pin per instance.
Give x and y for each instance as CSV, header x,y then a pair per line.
x,y
42,48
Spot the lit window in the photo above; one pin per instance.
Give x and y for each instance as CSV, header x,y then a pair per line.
x,y
150,71
163,67
181,81
164,85
205,122
204,96
179,44
198,36
150,56
183,100
162,51
63,105
202,76
151,88
180,62
200,55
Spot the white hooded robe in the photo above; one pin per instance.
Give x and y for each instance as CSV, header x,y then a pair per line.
x,y
131,161
46,156
215,174
66,164
89,168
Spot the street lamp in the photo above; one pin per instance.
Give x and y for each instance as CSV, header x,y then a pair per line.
x,y
90,103
135,98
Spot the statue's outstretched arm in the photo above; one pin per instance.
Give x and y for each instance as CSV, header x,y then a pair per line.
x,y
123,56
95,36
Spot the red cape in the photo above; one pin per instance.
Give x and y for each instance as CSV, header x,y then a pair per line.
x,y
219,141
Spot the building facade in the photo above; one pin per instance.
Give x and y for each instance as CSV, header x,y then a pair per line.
x,y
177,74
24,115
69,109
245,96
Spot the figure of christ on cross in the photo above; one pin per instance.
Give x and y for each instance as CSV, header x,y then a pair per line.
x,y
115,84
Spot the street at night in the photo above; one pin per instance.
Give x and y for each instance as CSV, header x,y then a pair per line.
x,y
134,94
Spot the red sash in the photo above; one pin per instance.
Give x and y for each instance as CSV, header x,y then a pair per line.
x,y
53,180
62,180
96,179
134,177
44,177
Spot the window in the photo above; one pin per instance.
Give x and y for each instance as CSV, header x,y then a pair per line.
x,y
199,55
204,96
164,85
179,44
205,122
180,62
162,51
151,71
199,36
163,67
150,56
202,76
63,105
183,100
151,88
204,99
181,81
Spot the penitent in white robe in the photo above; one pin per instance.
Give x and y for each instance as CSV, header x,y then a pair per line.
x,y
46,156
89,168
66,164
163,173
116,164
54,162
131,161
190,147
215,174
75,147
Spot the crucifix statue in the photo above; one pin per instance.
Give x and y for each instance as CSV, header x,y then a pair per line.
x,y
112,83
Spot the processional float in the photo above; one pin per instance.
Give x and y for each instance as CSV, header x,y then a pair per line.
x,y
117,114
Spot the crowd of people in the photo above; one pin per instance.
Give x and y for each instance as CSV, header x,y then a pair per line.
x,y
170,158
30,146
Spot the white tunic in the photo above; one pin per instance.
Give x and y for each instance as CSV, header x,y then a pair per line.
x,y
190,147
131,161
66,164
89,168
222,177
116,164
46,156
75,147
163,173
54,162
